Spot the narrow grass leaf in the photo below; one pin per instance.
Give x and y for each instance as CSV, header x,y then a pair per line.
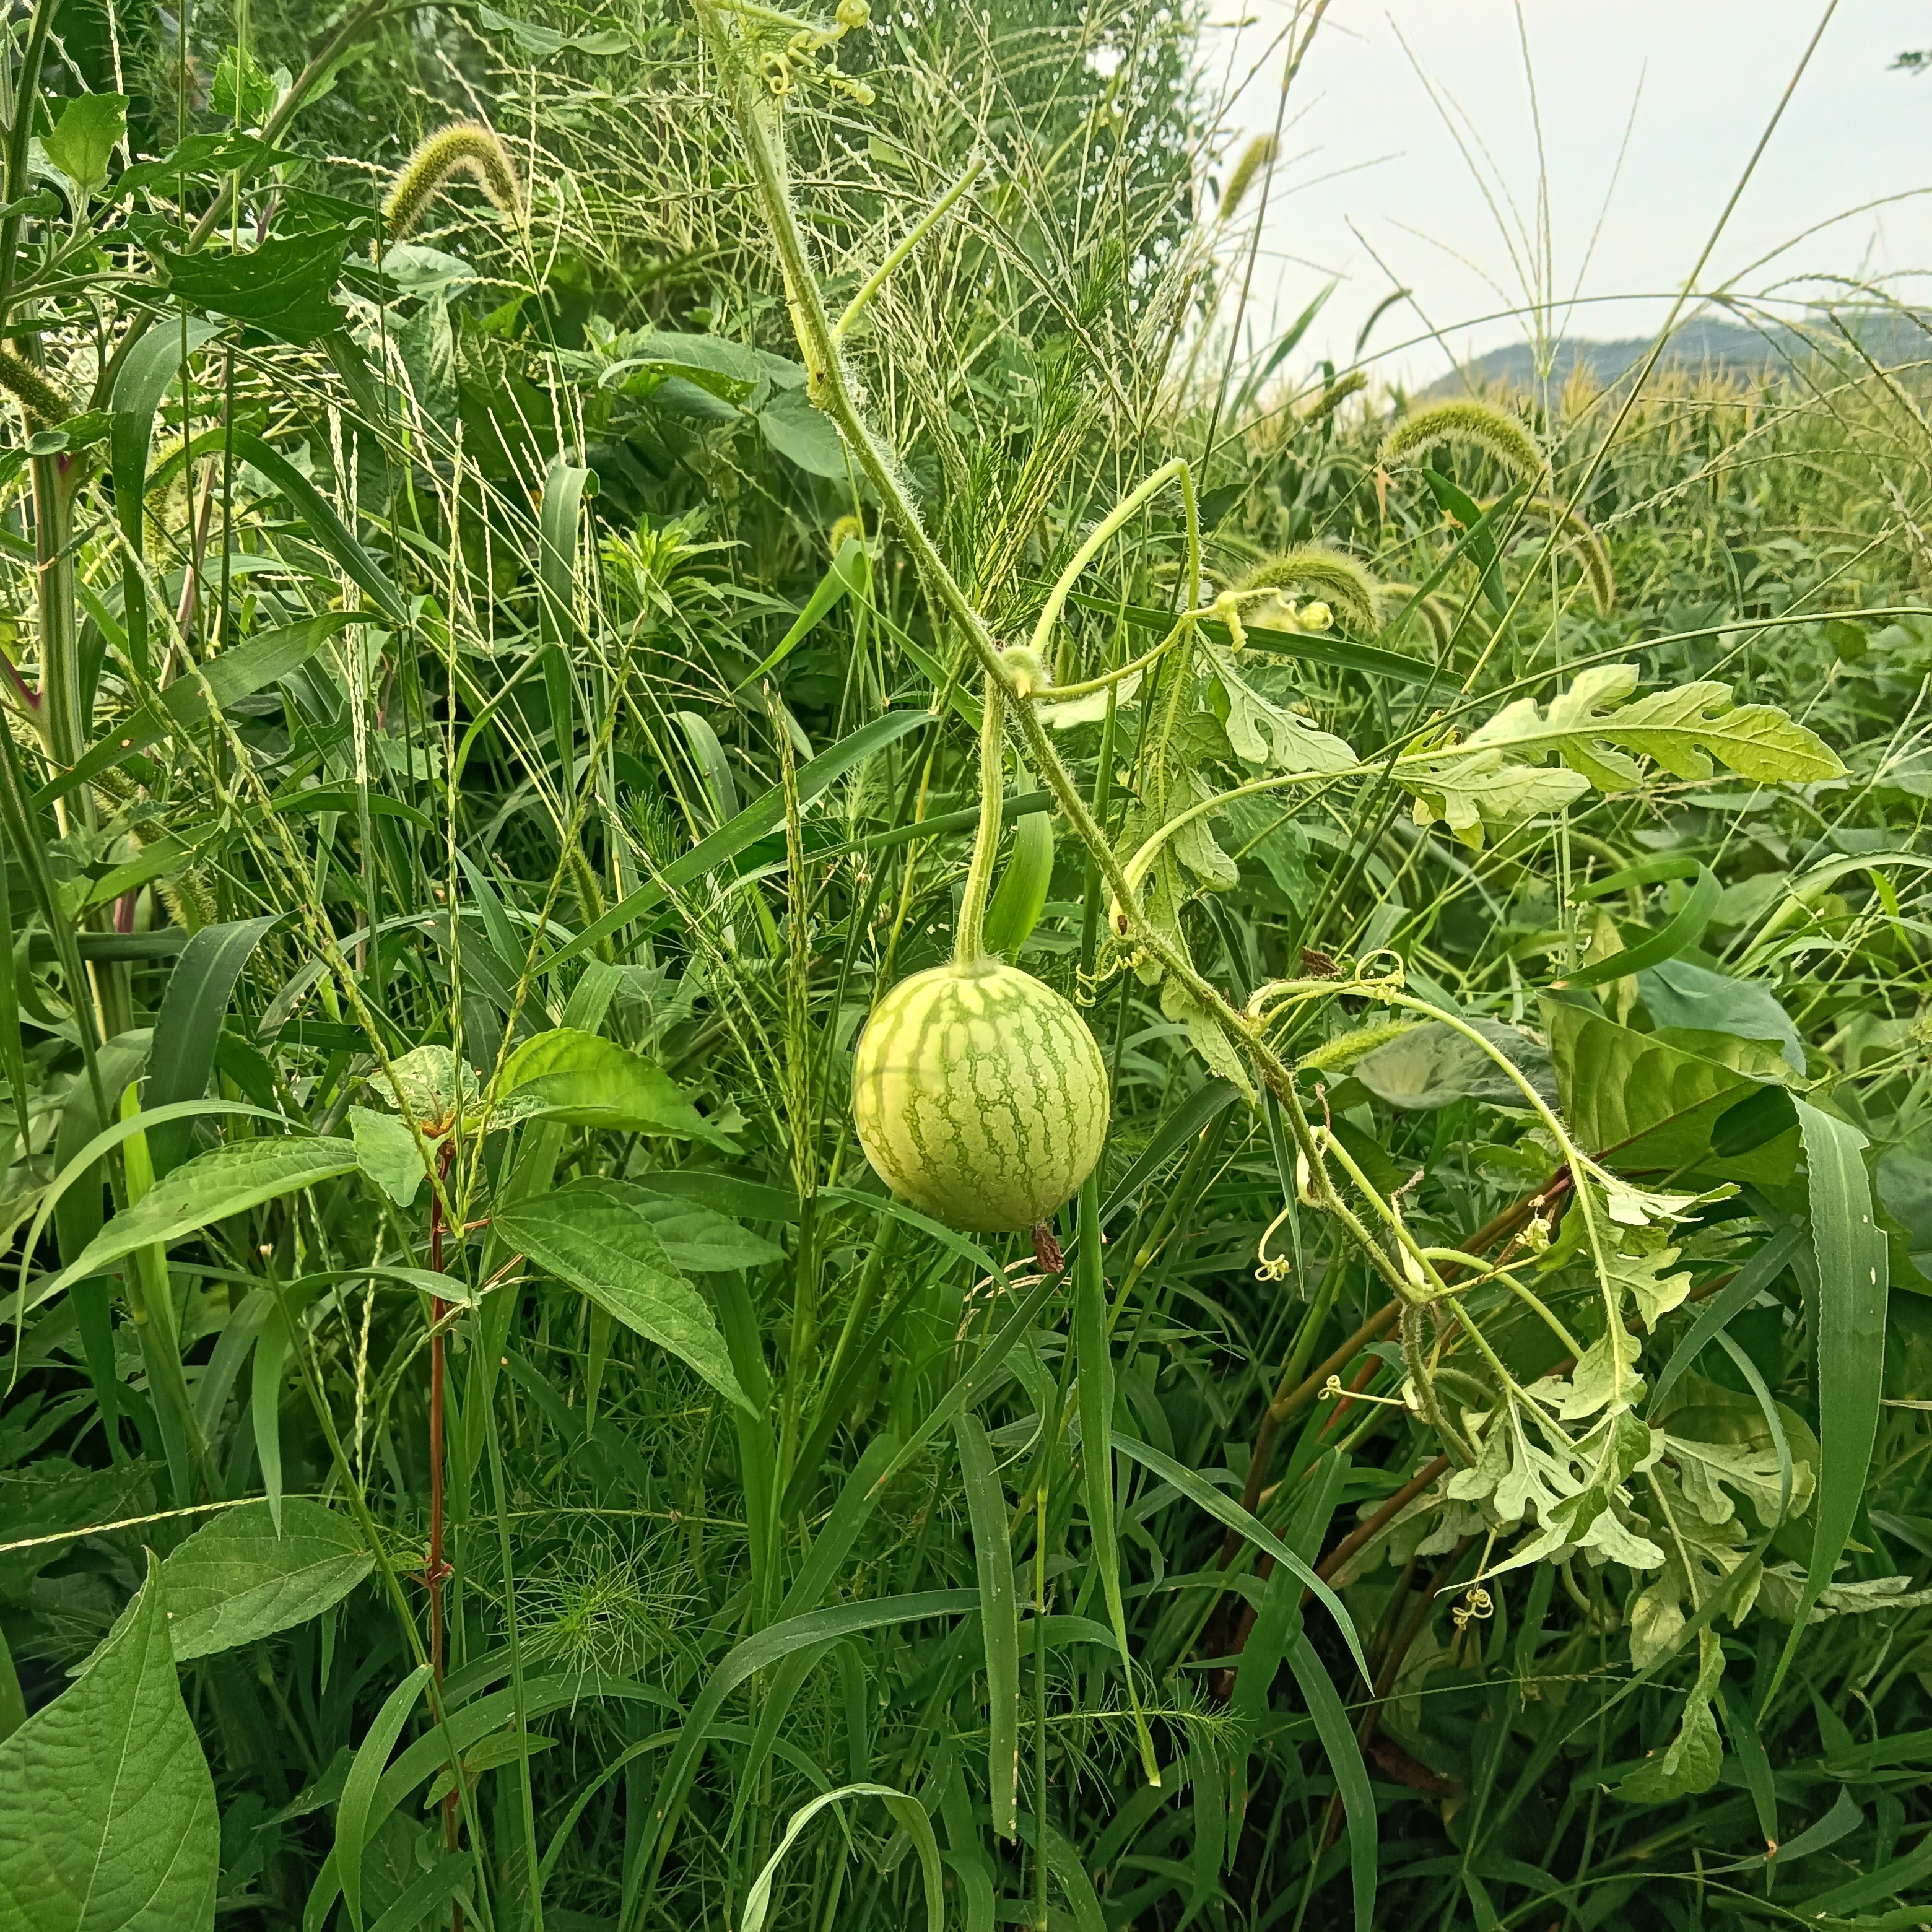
x,y
182,1060
999,1618
1352,1774
1853,1266
1095,1367
906,1813
1232,1516
358,1791
762,815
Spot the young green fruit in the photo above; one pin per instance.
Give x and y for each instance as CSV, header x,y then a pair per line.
x,y
980,1095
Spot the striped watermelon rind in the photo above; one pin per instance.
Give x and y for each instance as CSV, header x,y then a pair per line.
x,y
980,1095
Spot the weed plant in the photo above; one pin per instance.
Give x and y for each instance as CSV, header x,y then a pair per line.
x,y
515,526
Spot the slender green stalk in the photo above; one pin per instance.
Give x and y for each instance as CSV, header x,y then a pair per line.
x,y
883,273
969,945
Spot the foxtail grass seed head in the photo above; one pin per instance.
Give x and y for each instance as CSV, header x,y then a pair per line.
x,y
846,529
1434,614
1332,398
462,148
1255,157
44,404
1579,537
1503,438
1330,576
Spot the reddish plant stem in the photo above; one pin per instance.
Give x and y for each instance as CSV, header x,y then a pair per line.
x,y
1391,1668
1336,1557
1289,1403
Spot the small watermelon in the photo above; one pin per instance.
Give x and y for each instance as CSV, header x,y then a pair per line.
x,y
980,1095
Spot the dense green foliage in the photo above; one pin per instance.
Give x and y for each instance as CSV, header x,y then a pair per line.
x,y
492,707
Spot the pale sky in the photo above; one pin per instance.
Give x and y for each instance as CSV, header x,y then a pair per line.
x,y
1370,167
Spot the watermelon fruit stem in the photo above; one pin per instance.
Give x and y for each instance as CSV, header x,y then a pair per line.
x,y
969,946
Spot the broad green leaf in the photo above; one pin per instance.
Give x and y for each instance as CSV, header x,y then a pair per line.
x,y
1689,1764
244,91
1714,1551
433,1085
417,269
1785,1589
546,42
1640,1266
725,370
235,1579
906,1813
1497,775
281,287
386,1151
999,1617
1680,995
1605,1373
1709,1472
1474,797
1432,1065
1263,733
84,138
586,1081
597,1235
804,435
210,1188
701,1241
1640,1102
109,1809
202,158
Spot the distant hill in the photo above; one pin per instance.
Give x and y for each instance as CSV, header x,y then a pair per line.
x,y
1704,345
